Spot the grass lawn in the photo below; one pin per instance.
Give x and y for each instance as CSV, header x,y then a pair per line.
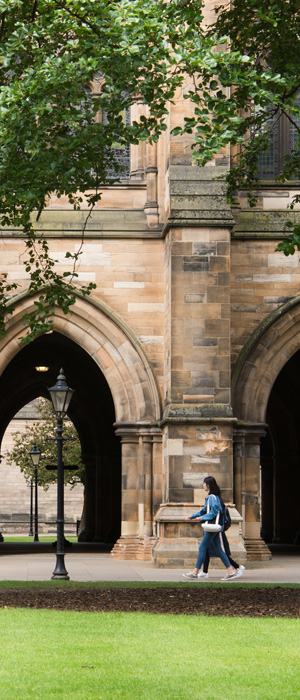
x,y
42,538
140,656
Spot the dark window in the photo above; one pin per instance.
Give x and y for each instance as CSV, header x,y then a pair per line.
x,y
283,140
121,153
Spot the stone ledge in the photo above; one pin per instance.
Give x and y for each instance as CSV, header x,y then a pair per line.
x,y
111,223
259,223
134,547
257,550
178,539
198,413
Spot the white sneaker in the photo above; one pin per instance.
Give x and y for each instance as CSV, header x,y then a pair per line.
x,y
191,576
240,571
203,575
229,577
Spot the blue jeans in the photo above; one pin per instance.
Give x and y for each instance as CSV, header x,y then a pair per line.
x,y
212,541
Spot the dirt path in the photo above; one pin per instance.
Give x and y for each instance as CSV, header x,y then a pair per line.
x,y
230,600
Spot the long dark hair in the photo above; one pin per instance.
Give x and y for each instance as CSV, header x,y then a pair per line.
x,y
213,487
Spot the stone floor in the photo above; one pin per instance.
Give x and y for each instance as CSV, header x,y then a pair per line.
x,y
282,568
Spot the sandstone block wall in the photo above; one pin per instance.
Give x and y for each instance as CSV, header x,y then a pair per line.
x,y
262,280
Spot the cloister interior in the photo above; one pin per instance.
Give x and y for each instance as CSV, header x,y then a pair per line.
x,y
92,412
280,459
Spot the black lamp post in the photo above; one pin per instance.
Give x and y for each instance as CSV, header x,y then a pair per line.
x,y
35,458
31,508
1,536
61,396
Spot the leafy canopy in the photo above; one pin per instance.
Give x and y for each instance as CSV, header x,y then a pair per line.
x,y
242,68
38,433
50,51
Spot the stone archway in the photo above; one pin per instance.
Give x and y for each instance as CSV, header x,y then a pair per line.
x,y
122,363
109,341
261,362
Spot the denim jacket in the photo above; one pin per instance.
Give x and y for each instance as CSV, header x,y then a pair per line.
x,y
214,507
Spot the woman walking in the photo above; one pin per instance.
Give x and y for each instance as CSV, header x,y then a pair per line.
x,y
239,568
213,540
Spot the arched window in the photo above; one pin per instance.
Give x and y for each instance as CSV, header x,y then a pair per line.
x,y
121,152
283,138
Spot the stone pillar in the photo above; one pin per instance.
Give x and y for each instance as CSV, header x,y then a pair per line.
x,y
238,466
130,480
198,416
247,437
88,523
145,490
197,419
137,151
137,490
157,467
151,206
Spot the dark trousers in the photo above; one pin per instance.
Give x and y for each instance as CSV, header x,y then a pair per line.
x,y
214,542
211,552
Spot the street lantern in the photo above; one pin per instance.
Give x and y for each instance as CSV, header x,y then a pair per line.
x,y
35,456
61,396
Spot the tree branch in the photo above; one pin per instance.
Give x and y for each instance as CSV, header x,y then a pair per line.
x,y
34,10
2,25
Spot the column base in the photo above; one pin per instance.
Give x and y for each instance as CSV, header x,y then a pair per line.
x,y
86,536
133,547
178,539
257,549
175,553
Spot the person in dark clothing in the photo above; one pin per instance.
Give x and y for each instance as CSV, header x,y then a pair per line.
x,y
213,505
204,575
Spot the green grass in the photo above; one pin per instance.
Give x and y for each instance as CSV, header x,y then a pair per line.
x,y
138,584
42,538
49,655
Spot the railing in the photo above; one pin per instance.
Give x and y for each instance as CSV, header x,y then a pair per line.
x,y
45,526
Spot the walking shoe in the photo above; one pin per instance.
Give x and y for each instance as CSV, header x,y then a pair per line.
x,y
203,575
229,577
191,576
240,571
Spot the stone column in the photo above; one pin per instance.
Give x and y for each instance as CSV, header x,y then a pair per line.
x,y
157,466
88,524
247,437
238,466
145,490
198,416
137,490
137,151
151,206
130,480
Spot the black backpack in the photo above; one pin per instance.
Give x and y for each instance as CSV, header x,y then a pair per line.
x,y
227,519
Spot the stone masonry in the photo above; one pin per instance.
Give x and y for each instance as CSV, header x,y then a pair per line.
x,y
193,317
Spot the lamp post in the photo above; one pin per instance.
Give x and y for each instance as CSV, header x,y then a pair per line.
x,y
31,508
61,396
1,536
35,458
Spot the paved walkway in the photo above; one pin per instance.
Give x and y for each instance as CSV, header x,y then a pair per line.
x,y
101,567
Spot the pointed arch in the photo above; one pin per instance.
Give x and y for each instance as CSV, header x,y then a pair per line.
x,y
109,342
268,349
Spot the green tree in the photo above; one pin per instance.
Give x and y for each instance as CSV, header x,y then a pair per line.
x,y
243,69
39,433
50,50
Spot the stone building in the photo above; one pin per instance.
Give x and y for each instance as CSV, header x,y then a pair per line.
x,y
184,359
17,510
